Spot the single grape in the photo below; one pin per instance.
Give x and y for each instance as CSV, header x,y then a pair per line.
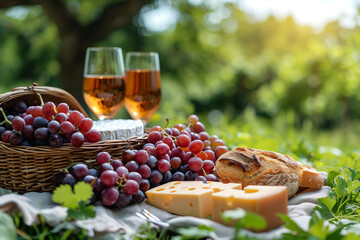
x,y
69,179
195,164
200,178
158,142
165,156
28,132
198,127
218,142
193,119
151,151
144,170
103,157
132,166
178,176
116,163
90,179
67,128
57,178
162,148
131,187
187,157
75,117
40,122
77,139
168,141
211,177
138,197
29,120
163,165
196,146
148,145
202,155
208,166
212,138
41,134
175,132
144,185
37,112
123,200
141,156
108,178
85,125
154,137
220,150
6,136
190,175
55,140
195,136
48,108
93,172
167,176
175,162
2,130
29,110
210,154
105,166
127,156
156,128
62,108
15,138
18,123
177,152
61,117
20,107
80,170
187,132
123,172
135,176
152,162
155,177
54,126
204,136
93,135
180,126
109,196
183,140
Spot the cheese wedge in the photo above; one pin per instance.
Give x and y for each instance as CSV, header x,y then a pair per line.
x,y
266,201
311,178
188,198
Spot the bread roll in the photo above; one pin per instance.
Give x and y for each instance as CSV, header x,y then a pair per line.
x,y
258,167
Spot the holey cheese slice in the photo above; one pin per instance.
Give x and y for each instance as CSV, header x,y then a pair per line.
x,y
188,198
119,129
266,201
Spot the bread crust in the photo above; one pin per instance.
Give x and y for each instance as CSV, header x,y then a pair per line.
x,y
259,167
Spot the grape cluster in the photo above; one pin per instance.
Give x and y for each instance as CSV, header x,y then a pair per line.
x,y
113,183
46,125
184,152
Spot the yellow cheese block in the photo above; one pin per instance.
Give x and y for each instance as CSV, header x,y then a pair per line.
x,y
266,201
188,198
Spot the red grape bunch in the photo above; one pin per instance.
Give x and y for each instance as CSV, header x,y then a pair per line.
x,y
113,183
184,152
44,125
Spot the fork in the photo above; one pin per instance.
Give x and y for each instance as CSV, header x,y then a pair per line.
x,y
146,215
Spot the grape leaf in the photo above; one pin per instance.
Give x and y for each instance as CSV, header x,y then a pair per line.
x,y
66,197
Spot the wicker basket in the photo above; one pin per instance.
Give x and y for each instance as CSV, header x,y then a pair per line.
x,y
24,169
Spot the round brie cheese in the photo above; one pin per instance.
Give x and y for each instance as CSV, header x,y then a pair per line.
x,y
119,129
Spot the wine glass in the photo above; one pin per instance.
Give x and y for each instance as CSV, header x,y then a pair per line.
x,y
143,87
104,81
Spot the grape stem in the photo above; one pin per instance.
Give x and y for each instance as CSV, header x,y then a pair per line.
x,y
167,122
41,99
5,118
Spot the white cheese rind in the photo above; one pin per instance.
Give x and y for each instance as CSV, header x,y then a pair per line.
x,y
119,129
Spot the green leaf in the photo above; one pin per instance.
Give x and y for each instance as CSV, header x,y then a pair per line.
x,y
83,212
325,207
254,221
198,232
7,227
65,196
290,224
352,173
83,191
354,185
236,214
331,177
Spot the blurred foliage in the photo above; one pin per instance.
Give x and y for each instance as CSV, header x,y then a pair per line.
x,y
216,61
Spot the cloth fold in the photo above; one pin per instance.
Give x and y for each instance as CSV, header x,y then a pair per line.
x,y
110,223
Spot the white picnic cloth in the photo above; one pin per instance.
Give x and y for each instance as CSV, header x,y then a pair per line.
x,y
109,223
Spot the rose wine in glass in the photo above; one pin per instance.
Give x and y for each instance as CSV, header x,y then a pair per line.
x,y
104,81
143,86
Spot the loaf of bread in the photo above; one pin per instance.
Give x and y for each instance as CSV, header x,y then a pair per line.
x,y
258,167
